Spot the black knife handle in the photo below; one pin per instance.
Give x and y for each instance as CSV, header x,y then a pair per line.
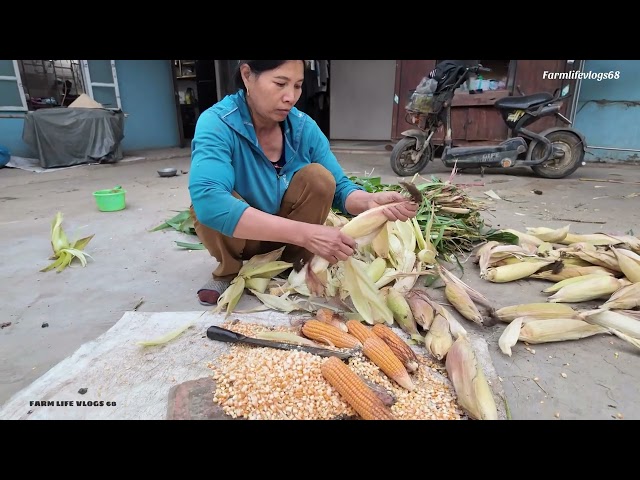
x,y
223,335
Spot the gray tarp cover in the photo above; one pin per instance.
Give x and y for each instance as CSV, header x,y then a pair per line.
x,y
63,137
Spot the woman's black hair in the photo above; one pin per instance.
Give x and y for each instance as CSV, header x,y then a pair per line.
x,y
257,67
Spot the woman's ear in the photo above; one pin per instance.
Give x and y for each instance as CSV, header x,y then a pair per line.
x,y
245,72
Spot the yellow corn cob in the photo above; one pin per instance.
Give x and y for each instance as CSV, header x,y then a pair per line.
x,y
591,289
358,330
626,298
421,310
629,263
439,339
558,330
540,311
516,271
354,391
399,347
368,222
376,350
469,381
571,272
323,332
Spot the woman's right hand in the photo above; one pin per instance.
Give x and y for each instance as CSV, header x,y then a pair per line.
x,y
328,242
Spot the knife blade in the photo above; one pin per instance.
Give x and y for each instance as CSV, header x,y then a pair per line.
x,y
223,335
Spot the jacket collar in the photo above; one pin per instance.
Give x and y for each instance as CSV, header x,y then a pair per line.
x,y
233,110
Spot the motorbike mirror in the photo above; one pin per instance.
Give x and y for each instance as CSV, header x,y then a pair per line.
x,y
565,91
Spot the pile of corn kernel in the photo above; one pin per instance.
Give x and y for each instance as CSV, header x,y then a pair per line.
x,y
270,384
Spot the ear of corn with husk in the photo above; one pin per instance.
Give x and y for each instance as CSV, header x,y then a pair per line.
x,y
557,330
469,381
589,289
625,298
629,263
539,311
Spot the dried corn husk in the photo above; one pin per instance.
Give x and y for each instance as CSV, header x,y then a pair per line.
x,y
629,263
510,336
625,298
438,339
549,235
612,319
421,309
557,330
469,381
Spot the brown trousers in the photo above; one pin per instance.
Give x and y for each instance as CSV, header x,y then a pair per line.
x,y
308,199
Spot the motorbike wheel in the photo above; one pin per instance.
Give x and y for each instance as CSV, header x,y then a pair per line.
x,y
555,168
402,157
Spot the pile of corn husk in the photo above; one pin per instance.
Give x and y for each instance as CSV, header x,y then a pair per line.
x,y
384,282
598,267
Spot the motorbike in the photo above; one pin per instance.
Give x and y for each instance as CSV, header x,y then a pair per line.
x,y
554,153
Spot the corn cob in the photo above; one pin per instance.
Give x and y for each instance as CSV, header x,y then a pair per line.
x,y
323,332
540,311
590,289
558,330
563,283
402,313
626,298
599,258
469,381
573,271
516,271
358,330
629,263
403,351
376,350
549,235
354,391
376,269
524,237
593,239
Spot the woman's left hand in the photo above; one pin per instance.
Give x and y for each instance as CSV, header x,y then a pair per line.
x,y
404,211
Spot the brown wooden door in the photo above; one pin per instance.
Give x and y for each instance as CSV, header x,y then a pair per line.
x,y
408,76
530,78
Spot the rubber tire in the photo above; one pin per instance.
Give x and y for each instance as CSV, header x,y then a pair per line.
x,y
409,143
577,153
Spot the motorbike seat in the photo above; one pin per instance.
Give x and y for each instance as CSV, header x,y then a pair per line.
x,y
527,101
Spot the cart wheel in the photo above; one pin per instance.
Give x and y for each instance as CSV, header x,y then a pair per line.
x,y
404,161
572,155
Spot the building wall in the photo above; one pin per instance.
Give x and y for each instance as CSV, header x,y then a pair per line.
x,y
361,99
608,111
146,91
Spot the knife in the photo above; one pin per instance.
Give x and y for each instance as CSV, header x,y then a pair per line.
x,y
223,335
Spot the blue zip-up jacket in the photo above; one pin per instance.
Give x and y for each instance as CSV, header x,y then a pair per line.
x,y
226,157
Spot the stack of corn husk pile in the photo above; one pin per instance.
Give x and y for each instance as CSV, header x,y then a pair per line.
x,y
378,285
597,267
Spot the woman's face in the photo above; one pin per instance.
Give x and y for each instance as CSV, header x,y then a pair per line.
x,y
274,92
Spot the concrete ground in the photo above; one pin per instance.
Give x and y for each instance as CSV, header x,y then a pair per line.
x,y
131,264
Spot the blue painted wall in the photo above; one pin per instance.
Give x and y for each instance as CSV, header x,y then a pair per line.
x,y
608,111
146,92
